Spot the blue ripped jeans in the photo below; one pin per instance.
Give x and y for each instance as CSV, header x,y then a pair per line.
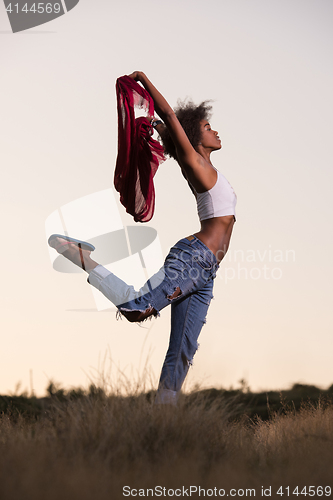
x,y
189,266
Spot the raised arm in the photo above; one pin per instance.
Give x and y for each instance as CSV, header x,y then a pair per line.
x,y
186,154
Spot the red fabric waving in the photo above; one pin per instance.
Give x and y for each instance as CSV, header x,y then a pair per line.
x,y
139,155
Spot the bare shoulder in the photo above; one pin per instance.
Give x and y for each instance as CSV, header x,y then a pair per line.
x,y
200,174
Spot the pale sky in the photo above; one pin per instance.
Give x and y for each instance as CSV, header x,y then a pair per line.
x,y
267,64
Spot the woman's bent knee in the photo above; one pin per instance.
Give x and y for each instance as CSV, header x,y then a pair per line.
x,y
138,316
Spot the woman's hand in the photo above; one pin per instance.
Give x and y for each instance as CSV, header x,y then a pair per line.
x,y
136,75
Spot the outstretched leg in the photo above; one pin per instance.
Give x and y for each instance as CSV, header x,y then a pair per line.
x,y
81,258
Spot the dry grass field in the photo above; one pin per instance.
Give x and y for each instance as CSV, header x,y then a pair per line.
x,y
94,444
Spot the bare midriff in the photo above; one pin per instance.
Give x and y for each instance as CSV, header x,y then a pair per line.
x,y
215,233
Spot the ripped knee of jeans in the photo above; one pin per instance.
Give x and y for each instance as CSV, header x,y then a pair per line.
x,y
175,294
137,315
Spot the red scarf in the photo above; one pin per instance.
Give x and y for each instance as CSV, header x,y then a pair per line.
x,y
139,155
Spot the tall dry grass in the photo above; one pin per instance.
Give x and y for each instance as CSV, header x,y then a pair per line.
x,y
92,447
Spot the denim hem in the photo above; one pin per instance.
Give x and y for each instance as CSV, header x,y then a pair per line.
x,y
166,397
97,275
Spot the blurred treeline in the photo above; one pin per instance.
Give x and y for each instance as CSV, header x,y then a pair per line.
x,y
241,402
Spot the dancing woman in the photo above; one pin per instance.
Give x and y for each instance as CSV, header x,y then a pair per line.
x,y
186,279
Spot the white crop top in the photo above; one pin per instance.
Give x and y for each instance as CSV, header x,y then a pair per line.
x,y
216,202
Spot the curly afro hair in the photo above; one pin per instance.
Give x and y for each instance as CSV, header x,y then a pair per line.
x,y
189,115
